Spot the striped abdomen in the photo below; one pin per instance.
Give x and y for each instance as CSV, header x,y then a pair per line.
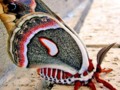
x,y
63,77
55,75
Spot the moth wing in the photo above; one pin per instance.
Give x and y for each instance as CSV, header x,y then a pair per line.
x,y
40,40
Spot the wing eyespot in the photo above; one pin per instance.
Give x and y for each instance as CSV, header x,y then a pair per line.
x,y
51,47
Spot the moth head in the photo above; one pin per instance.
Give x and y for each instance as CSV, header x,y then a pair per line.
x,y
13,10
19,7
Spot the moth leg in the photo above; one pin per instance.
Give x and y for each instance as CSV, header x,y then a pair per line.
x,y
91,85
104,70
78,84
106,84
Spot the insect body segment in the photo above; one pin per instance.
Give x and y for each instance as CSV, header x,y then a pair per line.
x,y
55,75
63,77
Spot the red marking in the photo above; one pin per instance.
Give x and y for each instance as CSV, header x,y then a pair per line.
x,y
64,76
49,72
77,75
85,73
78,84
91,67
54,72
91,85
38,71
26,37
106,84
45,71
58,74
68,74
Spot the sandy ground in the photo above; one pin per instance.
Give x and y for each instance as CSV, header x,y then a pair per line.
x,y
101,27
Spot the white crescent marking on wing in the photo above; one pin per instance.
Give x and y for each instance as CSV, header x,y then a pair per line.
x,y
50,45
